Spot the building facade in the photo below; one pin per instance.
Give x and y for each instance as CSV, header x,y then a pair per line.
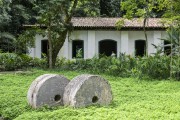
x,y
94,36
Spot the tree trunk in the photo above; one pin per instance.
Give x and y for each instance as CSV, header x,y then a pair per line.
x,y
57,47
50,50
58,43
145,34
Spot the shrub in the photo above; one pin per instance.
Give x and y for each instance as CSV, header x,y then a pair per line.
x,y
154,66
9,61
12,61
36,62
175,67
157,66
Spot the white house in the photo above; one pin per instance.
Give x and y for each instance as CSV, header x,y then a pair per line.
x,y
94,36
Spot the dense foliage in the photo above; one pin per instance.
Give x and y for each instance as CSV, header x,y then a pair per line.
x,y
14,13
132,99
11,62
87,8
157,66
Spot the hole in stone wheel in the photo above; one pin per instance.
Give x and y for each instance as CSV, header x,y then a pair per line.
x,y
94,99
57,98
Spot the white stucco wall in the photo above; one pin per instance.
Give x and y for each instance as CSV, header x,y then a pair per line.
x,y
125,42
91,44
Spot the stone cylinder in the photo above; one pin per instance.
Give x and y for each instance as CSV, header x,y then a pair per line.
x,y
85,90
47,89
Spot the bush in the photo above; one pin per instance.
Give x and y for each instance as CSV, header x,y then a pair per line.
x,y
9,61
154,66
175,67
12,61
157,66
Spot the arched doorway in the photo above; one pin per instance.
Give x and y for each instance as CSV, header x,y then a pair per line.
x,y
140,47
77,49
108,47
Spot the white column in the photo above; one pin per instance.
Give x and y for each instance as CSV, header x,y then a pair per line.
x,y
157,41
31,52
66,48
119,45
91,44
124,42
86,46
38,39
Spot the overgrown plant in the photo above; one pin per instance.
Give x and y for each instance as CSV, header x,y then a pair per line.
x,y
173,38
12,61
157,66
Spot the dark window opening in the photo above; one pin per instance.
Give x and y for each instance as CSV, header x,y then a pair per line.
x,y
140,47
167,49
78,49
108,47
44,48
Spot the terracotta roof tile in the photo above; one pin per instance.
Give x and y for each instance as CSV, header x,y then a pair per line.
x,y
111,22
97,22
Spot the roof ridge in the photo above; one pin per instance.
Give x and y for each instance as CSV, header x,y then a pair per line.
x,y
99,22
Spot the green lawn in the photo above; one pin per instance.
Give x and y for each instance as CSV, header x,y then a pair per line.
x,y
133,99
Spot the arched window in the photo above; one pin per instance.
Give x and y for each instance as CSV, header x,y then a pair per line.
x,y
77,49
140,47
44,48
108,47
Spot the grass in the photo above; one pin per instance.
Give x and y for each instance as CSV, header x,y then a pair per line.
x,y
133,99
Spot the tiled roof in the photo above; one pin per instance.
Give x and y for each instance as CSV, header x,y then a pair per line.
x,y
111,22
97,22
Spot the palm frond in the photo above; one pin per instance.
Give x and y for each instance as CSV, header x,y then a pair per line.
x,y
7,35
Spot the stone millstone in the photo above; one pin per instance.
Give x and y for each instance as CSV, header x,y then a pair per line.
x,y
85,90
47,89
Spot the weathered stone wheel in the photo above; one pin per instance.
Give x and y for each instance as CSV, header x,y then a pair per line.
x,y
85,90
47,89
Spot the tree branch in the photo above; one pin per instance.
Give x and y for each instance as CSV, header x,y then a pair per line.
x,y
72,11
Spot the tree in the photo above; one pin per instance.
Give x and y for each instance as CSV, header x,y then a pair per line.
x,y
116,8
56,16
105,7
110,8
13,13
5,19
87,8
172,12
144,9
